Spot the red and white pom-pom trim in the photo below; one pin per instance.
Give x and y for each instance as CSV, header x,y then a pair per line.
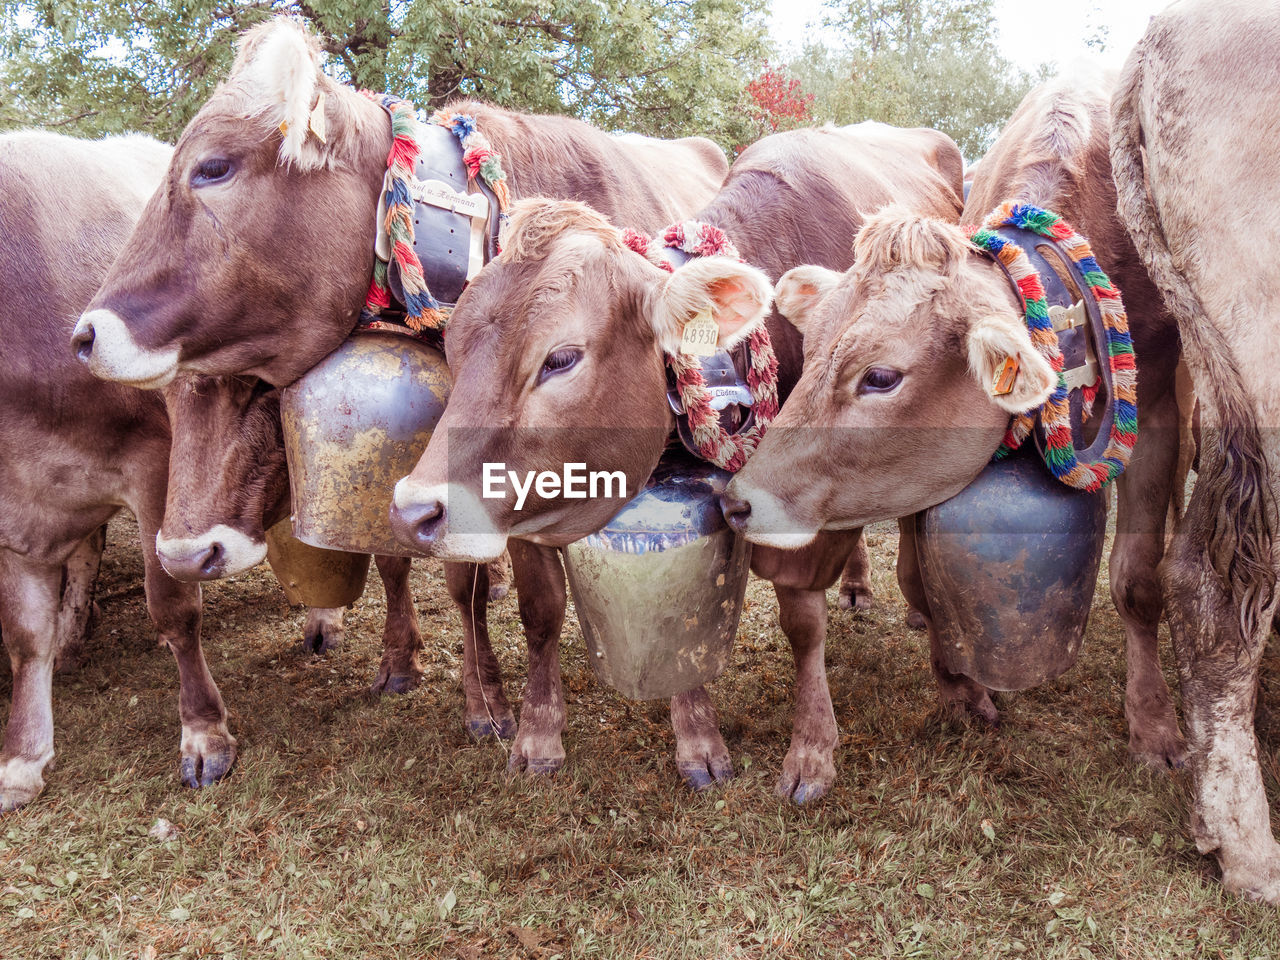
x,y
714,443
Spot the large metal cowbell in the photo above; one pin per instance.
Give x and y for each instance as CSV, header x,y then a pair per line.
x,y
353,426
659,589
1009,564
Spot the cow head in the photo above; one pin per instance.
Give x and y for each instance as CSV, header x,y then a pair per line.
x,y
227,475
255,254
894,411
556,351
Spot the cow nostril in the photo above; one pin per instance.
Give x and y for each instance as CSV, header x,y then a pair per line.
x,y
82,341
429,523
736,512
212,559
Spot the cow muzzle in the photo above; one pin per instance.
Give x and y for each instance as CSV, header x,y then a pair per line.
x,y
762,518
103,343
446,521
220,552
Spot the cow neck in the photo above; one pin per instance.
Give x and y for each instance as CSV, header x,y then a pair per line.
x,y
1007,235
433,233
698,422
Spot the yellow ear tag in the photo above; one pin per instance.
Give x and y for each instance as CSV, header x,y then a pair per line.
x,y
1006,378
284,126
700,335
316,123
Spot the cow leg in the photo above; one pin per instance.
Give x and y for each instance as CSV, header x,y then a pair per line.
x,y
809,768
1218,670
855,581
488,714
401,668
29,596
499,577
323,630
540,589
75,612
207,749
1144,493
701,756
961,696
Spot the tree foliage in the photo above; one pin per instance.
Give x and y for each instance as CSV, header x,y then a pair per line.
x,y
666,67
930,63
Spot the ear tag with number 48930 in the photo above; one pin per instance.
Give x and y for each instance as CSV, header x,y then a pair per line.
x,y
700,335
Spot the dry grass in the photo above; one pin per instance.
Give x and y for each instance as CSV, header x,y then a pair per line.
x,y
354,827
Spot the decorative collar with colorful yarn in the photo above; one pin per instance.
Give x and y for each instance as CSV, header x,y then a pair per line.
x,y
1060,453
711,441
422,310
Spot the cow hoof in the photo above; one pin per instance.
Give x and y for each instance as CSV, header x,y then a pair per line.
x,y
855,598
399,683
323,630
20,782
206,759
916,620
699,775
807,772
482,728
1159,749
801,791
1257,877
498,591
387,682
70,659
984,714
534,766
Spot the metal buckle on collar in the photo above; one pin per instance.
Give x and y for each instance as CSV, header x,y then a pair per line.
x,y
455,230
725,375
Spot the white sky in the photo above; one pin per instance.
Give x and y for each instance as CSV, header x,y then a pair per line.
x,y
1030,31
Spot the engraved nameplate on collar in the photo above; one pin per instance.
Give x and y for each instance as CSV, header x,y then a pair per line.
x,y
440,194
1064,318
721,397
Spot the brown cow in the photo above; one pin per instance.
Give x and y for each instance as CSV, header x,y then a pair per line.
x,y
228,482
1193,151
1054,154
255,260
77,449
561,342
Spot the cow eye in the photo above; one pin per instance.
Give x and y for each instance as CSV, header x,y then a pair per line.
x,y
879,380
558,361
211,171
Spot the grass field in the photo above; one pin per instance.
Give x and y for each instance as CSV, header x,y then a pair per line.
x,y
353,827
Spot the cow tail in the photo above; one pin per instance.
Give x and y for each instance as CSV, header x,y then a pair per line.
x,y
1233,468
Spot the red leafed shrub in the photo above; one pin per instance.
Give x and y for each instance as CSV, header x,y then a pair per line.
x,y
777,102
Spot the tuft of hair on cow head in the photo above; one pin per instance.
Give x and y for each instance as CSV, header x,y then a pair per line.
x,y
1000,348
895,238
800,290
535,224
277,65
737,296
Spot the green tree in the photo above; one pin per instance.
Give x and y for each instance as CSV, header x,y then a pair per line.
x,y
666,67
930,63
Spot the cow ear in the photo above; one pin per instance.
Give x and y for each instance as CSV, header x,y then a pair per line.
x,y
279,62
738,298
799,291
1007,365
